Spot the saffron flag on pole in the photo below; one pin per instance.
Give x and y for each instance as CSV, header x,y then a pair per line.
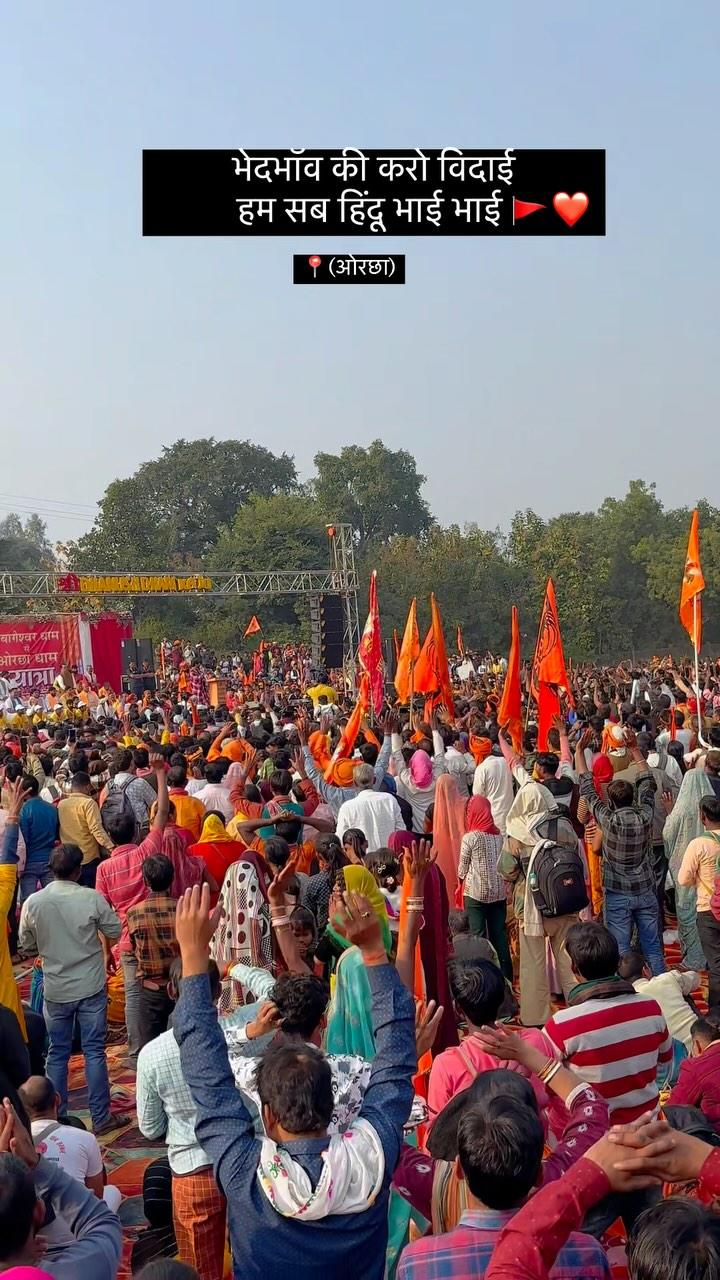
x,y
346,745
370,649
549,671
510,708
252,627
432,672
459,642
408,655
692,584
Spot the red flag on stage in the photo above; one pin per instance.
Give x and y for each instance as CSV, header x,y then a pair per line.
x,y
345,746
252,627
549,672
692,584
510,708
432,673
408,655
370,649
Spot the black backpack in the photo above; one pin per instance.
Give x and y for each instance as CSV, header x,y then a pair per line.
x,y
117,803
557,881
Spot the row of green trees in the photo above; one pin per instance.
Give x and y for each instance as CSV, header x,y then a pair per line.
x,y
234,505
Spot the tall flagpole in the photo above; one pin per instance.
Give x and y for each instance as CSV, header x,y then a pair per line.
x,y
528,688
412,696
701,740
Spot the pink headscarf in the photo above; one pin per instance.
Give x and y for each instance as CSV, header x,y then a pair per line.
x,y
26,1273
234,776
421,770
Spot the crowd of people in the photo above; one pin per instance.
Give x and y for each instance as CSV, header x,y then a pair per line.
x,y
399,1006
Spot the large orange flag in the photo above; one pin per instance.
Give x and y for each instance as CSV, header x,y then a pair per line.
x,y
432,673
370,648
252,627
549,672
346,745
510,708
692,584
409,654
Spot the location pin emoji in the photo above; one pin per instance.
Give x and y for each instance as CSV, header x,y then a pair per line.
x,y
314,263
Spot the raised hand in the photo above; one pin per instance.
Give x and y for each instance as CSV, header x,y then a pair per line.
x,y
653,1148
359,923
427,1022
267,1021
502,1043
17,794
278,887
14,1137
419,858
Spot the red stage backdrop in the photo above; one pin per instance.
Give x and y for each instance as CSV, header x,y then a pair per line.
x,y
32,650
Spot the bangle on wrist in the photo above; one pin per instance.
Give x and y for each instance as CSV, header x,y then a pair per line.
x,y
279,922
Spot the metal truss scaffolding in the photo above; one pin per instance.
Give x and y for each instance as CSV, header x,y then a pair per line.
x,y
340,579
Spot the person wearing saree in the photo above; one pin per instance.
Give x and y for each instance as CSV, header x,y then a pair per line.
x,y
485,892
433,945
448,829
684,824
243,935
216,848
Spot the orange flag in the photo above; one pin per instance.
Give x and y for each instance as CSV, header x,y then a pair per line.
x,y
432,673
345,746
408,655
510,708
252,627
370,648
692,584
549,672
459,642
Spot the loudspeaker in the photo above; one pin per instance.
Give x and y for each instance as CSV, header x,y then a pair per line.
x,y
331,631
145,653
129,651
315,632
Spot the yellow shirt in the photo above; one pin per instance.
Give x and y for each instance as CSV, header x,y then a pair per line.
x,y
319,691
80,824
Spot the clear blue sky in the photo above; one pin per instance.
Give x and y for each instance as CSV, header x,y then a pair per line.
x,y
519,372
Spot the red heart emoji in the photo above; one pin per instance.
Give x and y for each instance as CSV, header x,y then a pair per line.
x,y
570,208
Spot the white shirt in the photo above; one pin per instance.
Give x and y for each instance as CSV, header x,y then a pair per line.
x,y
461,765
76,1151
493,780
376,813
215,796
669,989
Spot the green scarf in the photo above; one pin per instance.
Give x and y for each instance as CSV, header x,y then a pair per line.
x,y
601,989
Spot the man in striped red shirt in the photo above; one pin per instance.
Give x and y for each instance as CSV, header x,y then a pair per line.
x,y
611,1035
